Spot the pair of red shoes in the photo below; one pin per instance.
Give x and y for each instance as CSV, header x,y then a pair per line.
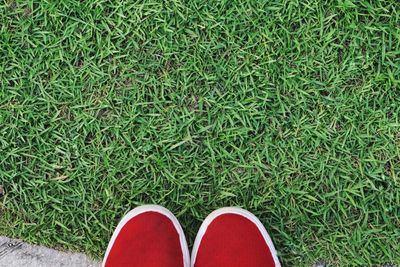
x,y
151,236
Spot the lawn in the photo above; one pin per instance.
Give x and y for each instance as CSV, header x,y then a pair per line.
x,y
290,109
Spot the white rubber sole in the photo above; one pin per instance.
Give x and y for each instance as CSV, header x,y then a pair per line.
x,y
231,210
151,208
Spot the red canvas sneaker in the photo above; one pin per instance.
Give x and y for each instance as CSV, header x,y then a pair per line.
x,y
148,236
233,237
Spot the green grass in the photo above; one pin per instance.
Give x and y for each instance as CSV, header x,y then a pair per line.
x,y
290,109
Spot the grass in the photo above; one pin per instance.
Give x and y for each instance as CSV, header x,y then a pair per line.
x,y
290,109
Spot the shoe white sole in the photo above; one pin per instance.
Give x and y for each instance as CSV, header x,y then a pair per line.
x,y
151,208
231,210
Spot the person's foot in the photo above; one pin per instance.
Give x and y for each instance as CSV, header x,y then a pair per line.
x,y
148,236
233,237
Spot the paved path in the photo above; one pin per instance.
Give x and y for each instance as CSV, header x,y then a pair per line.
x,y
15,253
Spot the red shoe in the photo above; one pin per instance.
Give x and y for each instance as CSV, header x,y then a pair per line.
x,y
148,236
233,237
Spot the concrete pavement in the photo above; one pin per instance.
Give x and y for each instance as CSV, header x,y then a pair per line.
x,y
15,253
